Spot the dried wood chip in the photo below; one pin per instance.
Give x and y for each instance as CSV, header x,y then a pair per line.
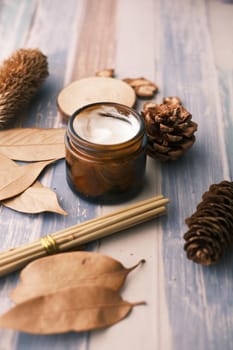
x,y
143,87
135,82
145,90
32,144
108,73
91,90
14,178
35,199
75,309
53,273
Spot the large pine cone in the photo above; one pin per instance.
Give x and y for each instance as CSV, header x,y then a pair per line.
x,y
211,226
169,129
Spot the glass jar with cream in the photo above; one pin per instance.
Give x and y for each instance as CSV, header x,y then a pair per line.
x,y
105,152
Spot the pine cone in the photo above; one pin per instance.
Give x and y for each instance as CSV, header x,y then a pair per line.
x,y
211,226
20,77
169,129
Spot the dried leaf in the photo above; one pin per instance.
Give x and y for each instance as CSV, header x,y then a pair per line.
x,y
71,269
32,144
35,199
14,178
77,309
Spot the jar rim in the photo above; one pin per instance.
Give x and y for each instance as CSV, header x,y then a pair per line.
x,y
76,137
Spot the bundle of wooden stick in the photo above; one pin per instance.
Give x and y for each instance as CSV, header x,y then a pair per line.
x,y
80,234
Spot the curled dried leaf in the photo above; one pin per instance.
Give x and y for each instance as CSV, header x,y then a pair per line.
x,y
56,272
14,178
35,199
74,309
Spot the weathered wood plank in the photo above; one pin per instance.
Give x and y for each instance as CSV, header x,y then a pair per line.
x,y
148,325
199,304
15,21
51,31
96,43
186,48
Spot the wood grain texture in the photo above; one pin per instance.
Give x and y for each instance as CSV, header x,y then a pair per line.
x,y
134,244
198,298
46,26
96,42
185,46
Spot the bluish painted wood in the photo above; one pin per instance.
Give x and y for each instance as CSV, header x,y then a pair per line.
x,y
49,29
200,304
225,79
173,42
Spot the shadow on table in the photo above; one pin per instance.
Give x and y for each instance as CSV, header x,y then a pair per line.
x,y
66,341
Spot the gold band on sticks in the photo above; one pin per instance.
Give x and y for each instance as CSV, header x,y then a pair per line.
x,y
49,244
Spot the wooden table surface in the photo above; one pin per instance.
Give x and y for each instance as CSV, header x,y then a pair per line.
x,y
186,47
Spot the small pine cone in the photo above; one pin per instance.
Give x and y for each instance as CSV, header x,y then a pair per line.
x,y
211,225
169,128
21,75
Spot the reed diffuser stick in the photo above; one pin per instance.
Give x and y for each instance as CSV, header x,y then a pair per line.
x,y
76,235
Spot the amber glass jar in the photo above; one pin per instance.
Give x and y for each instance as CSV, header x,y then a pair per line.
x,y
105,152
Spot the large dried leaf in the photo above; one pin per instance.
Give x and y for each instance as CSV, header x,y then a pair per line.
x,y
14,178
32,144
35,199
71,269
77,309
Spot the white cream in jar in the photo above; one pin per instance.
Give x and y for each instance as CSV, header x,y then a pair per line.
x,y
105,125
